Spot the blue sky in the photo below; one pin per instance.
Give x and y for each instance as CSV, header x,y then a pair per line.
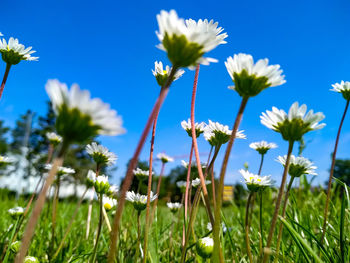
x,y
108,47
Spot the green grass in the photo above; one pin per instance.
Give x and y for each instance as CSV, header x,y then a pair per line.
x,y
300,241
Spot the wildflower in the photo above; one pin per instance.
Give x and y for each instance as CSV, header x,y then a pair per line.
x,y
255,182
197,182
30,259
174,207
113,191
199,127
16,212
249,78
13,52
91,178
141,174
164,158
210,228
262,147
139,201
101,184
217,134
14,247
5,160
79,117
181,185
163,74
187,42
100,154
193,164
343,88
298,166
53,138
205,247
61,170
293,125
108,203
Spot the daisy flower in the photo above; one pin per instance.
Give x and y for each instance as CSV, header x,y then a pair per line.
x,y
163,74
53,138
78,116
298,166
181,184
108,203
197,181
101,184
141,174
205,247
217,134
193,164
16,212
30,259
61,170
91,178
293,125
187,41
262,147
199,127
249,78
164,158
255,182
343,88
5,160
174,207
100,154
13,52
139,201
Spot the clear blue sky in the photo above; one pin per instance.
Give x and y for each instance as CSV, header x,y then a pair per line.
x,y
108,47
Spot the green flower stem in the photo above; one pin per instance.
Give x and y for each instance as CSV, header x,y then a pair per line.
x,y
261,236
278,204
246,227
195,145
155,203
280,230
70,225
147,224
39,204
261,164
213,184
325,214
10,241
129,174
94,254
54,214
217,253
4,79
138,237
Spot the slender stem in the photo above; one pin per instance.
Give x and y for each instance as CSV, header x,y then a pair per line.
x,y
246,226
196,203
98,230
155,203
70,225
54,214
280,230
261,237
217,253
7,71
10,241
261,164
108,224
195,145
149,186
213,185
138,236
39,204
267,251
129,174
325,214
88,221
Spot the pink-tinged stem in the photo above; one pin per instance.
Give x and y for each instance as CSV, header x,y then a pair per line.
x,y
329,187
7,71
39,204
186,193
195,146
129,174
217,253
149,187
267,251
